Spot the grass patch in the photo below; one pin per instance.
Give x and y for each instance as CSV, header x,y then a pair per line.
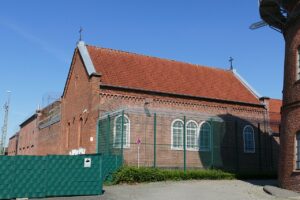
x,y
144,174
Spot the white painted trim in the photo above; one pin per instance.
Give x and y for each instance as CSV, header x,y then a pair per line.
x,y
87,61
200,125
246,84
172,147
298,64
197,136
127,145
246,151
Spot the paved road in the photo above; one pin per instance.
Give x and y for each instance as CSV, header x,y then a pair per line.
x,y
206,189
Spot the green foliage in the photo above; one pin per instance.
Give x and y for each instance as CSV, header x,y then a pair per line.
x,y
143,174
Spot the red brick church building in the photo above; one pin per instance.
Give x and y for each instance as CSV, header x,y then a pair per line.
x,y
102,82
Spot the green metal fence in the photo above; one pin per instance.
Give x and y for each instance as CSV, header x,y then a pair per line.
x,y
148,140
112,157
48,176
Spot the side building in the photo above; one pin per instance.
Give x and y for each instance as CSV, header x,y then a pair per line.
x,y
39,134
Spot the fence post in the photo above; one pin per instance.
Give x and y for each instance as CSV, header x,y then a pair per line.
x,y
236,146
122,135
108,134
259,147
97,137
184,143
212,143
154,141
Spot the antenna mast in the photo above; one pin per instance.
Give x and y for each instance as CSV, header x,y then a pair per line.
x,y
4,127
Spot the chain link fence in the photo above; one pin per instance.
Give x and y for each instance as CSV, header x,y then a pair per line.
x,y
186,140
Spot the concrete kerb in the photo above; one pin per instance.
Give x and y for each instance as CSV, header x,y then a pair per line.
x,y
281,193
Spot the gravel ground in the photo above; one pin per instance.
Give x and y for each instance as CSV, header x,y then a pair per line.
x,y
182,190
206,189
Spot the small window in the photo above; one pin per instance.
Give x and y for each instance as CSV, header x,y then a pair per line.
x,y
118,132
249,143
205,134
298,151
191,135
177,134
298,64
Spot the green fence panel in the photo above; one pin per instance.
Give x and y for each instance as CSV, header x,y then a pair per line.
x,y
67,176
29,177
108,146
6,177
48,176
110,164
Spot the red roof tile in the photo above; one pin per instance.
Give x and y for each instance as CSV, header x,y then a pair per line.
x,y
136,71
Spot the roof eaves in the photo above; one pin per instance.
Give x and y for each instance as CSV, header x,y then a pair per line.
x,y
14,135
29,119
246,84
180,95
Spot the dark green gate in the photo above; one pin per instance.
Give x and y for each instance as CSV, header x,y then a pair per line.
x,y
48,176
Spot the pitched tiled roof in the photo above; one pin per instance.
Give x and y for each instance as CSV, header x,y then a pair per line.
x,y
130,70
274,113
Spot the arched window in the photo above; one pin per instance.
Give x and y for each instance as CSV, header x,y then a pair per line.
x,y
249,143
191,135
177,134
205,132
118,132
298,150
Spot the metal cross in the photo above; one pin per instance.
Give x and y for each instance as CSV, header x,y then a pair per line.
x,y
80,33
231,60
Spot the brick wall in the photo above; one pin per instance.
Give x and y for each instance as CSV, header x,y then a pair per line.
x,y
40,134
79,109
49,127
27,137
12,145
235,116
289,177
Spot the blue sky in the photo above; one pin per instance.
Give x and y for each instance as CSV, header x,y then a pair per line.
x,y
38,38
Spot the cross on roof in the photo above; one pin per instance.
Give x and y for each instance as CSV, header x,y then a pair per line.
x,y
231,61
80,33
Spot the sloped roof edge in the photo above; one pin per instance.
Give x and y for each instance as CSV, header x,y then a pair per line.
x,y
86,58
246,84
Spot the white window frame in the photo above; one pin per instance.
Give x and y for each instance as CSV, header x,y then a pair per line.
x,y
199,139
127,145
172,144
196,136
298,64
244,139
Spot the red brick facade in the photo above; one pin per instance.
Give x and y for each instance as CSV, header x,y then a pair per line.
x,y
289,175
289,25
13,145
27,137
39,134
80,109
49,129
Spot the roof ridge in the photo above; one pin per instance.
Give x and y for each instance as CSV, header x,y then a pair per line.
x,y
165,59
